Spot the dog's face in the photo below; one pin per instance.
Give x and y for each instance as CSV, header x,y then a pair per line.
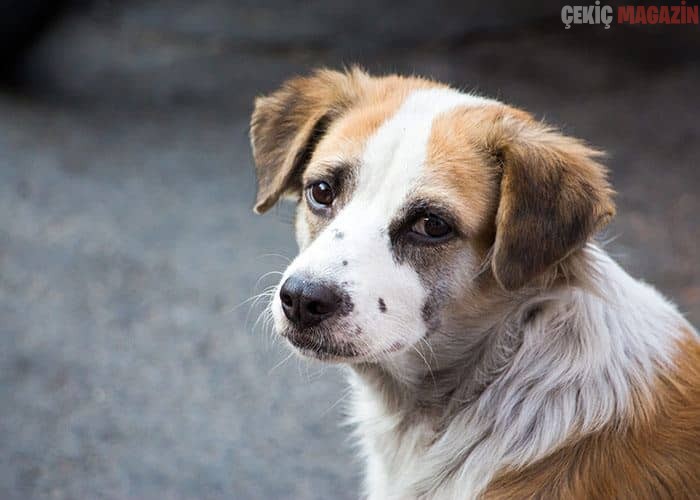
x,y
414,201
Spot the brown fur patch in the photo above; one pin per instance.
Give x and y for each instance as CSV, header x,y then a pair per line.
x,y
380,99
554,197
657,455
533,194
288,126
545,192
459,169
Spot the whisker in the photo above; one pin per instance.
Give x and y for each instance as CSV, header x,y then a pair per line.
x,y
346,393
269,273
430,370
284,360
254,305
279,255
258,296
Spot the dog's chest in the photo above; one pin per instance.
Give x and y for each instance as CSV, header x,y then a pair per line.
x,y
392,449
403,458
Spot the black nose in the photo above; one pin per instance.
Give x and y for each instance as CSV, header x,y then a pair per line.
x,y
306,303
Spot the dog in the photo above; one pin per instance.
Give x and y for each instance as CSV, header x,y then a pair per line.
x,y
448,260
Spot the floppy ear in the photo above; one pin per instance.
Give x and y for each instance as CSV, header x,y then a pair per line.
x,y
554,197
287,125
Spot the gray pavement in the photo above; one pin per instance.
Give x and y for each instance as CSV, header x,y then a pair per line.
x,y
128,366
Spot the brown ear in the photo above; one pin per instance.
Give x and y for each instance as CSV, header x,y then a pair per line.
x,y
287,125
554,197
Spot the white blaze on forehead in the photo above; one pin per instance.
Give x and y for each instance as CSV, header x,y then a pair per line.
x,y
395,155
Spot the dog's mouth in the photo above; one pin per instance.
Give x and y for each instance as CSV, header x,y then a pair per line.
x,y
322,346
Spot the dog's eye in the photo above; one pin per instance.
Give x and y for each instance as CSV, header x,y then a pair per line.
x,y
432,227
320,195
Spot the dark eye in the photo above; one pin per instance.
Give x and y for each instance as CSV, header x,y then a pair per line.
x,y
432,227
320,195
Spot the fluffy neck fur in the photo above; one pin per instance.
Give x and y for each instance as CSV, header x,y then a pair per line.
x,y
512,386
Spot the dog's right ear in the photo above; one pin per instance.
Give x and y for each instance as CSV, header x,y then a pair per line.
x,y
287,125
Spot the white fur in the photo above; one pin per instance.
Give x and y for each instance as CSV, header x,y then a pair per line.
x,y
584,355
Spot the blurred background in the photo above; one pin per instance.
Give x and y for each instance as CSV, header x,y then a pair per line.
x,y
130,363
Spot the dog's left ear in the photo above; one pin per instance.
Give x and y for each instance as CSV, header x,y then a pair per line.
x,y
287,125
554,196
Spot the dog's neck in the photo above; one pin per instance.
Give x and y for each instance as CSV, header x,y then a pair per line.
x,y
427,380
544,367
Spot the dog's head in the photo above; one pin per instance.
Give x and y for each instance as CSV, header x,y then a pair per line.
x,y
413,199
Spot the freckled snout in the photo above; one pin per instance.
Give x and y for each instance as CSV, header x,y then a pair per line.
x,y
307,303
